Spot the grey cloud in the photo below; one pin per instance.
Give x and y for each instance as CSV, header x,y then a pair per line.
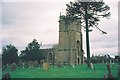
x,y
111,45
24,21
13,12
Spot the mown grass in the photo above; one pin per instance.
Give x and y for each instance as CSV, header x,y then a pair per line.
x,y
80,71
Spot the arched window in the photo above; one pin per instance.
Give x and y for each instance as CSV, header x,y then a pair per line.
x,y
78,42
50,56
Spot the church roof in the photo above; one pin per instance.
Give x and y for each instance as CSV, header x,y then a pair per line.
x,y
47,46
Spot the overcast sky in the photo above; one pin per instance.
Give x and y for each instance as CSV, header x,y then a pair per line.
x,y
24,20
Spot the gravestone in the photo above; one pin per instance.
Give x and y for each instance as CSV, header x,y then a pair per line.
x,y
6,76
8,67
91,66
42,61
4,67
13,67
108,66
23,65
46,66
119,71
73,66
64,64
36,63
59,64
105,76
29,64
32,64
110,76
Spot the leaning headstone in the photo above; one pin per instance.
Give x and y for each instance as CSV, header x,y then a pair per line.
x,y
108,66
73,66
91,65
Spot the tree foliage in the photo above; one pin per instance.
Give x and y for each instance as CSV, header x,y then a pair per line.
x,y
90,12
9,54
96,9
32,51
101,58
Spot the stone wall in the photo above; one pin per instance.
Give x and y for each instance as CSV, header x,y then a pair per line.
x,y
70,44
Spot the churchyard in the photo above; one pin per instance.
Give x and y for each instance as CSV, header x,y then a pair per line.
x,y
67,56
78,71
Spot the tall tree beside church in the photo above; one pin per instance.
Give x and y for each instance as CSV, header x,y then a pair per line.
x,y
9,54
90,12
32,51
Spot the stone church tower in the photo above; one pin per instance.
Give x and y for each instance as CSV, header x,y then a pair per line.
x,y
70,41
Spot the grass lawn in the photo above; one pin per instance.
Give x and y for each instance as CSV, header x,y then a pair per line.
x,y
80,71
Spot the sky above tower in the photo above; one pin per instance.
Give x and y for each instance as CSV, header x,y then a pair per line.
x,y
23,20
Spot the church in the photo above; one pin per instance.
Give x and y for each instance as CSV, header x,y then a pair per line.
x,y
70,49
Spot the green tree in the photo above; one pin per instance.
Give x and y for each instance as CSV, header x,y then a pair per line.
x,y
9,54
90,12
32,51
